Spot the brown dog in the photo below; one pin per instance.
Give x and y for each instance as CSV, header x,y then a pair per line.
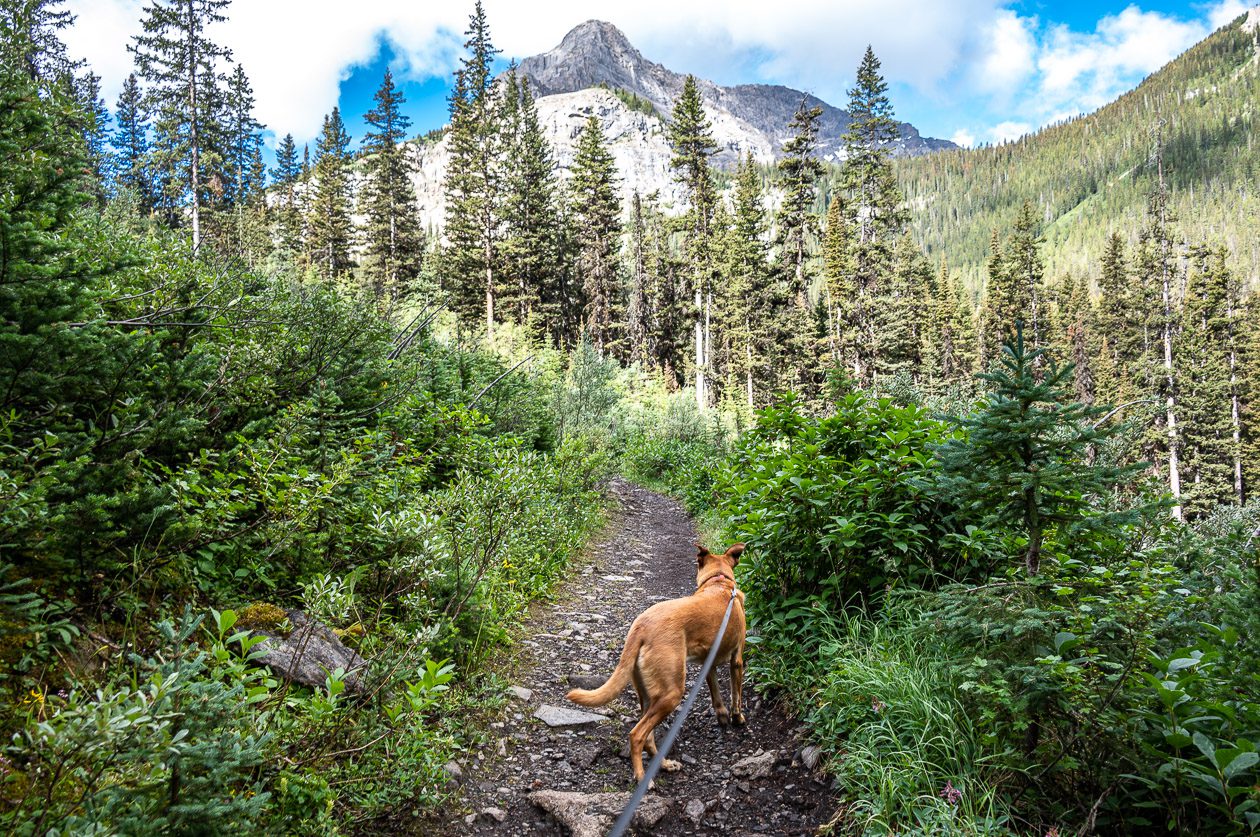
x,y
661,641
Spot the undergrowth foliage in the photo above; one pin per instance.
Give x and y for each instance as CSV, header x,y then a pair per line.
x,y
1109,685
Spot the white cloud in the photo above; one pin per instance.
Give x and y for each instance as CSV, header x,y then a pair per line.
x,y
297,52
1082,71
1012,54
1007,131
964,138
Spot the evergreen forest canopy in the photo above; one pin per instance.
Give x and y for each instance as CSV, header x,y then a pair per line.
x,y
1002,547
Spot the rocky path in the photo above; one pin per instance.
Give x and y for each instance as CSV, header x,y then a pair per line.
x,y
547,774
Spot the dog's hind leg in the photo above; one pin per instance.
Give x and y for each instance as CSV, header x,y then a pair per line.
x,y
715,695
641,690
737,686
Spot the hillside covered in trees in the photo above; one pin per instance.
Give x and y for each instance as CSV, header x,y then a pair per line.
x,y
1002,532
1089,177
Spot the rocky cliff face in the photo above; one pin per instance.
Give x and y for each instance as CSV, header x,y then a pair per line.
x,y
745,117
636,140
748,117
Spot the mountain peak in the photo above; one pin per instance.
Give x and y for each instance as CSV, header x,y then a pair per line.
x,y
599,33
747,117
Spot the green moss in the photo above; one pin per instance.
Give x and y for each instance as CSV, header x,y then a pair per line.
x,y
260,616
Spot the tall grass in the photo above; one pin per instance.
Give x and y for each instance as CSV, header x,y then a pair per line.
x,y
879,698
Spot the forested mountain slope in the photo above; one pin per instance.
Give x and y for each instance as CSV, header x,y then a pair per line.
x,y
1091,176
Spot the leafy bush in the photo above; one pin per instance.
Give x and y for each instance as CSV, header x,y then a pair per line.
x,y
837,507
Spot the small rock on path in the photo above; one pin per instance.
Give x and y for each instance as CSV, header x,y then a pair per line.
x,y
565,780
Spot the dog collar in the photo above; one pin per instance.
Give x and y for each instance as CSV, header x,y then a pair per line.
x,y
718,575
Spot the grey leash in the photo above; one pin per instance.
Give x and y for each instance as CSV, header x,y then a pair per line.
x,y
623,822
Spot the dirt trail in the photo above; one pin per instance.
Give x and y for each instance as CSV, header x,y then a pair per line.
x,y
646,555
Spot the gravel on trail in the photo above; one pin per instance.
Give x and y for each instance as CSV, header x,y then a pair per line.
x,y
545,751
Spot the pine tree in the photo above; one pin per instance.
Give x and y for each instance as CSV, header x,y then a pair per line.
x,y
754,319
32,44
998,310
532,251
131,145
1120,325
691,138
392,241
1077,322
1023,461
801,170
873,208
1025,274
328,219
473,179
244,172
901,311
1159,272
285,176
180,63
246,234
595,212
95,129
638,310
1207,403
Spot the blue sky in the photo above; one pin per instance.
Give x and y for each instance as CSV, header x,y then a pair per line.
x,y
970,70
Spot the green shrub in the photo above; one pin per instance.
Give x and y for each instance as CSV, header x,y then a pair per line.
x,y
838,507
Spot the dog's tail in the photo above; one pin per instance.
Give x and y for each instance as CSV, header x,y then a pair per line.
x,y
616,681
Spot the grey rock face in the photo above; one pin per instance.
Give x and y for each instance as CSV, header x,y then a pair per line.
x,y
746,117
309,653
592,814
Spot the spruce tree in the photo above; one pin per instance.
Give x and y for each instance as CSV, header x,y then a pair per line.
x,y
392,241
1207,402
638,311
873,207
1120,325
1025,276
328,218
32,44
532,250
285,176
473,180
131,145
691,138
754,319
95,129
800,170
244,171
181,65
1023,460
595,212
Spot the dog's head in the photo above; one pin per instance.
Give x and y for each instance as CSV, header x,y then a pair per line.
x,y
709,565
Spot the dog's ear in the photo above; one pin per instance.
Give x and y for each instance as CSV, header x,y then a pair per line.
x,y
734,552
702,555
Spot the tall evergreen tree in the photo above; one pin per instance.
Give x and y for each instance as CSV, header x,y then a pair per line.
x,y
131,144
1025,271
392,241
285,176
532,251
753,317
32,43
181,65
473,179
873,208
1208,405
596,218
691,138
637,310
244,171
1120,322
801,170
95,129
1159,271
328,223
